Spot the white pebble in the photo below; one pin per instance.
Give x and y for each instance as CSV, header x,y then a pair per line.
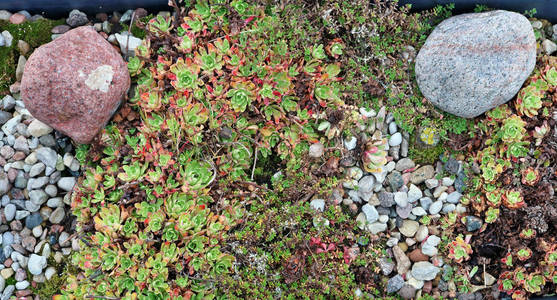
x,y
392,128
350,143
395,139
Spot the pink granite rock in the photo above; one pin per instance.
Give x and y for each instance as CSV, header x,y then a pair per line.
x,y
75,83
17,18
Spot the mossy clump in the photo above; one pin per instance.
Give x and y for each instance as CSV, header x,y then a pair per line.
x,y
53,286
136,31
422,154
11,281
34,33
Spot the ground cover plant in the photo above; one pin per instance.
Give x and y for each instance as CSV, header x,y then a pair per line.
x,y
200,186
169,206
213,94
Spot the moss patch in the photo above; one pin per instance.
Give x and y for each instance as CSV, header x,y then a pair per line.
x,y
52,287
34,33
422,154
136,31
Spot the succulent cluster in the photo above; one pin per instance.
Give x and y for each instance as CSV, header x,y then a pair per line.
x,y
375,155
512,144
459,250
513,161
519,280
212,94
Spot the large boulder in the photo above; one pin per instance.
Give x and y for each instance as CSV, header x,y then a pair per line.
x,y
472,63
75,83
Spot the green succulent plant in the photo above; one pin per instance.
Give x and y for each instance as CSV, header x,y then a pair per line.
x,y
375,155
491,215
534,283
186,74
513,129
160,25
524,254
240,97
209,59
155,221
109,218
529,101
550,76
513,199
517,149
459,249
198,174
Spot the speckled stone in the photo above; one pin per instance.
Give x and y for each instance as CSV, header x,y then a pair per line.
x,y
17,18
60,29
75,83
474,62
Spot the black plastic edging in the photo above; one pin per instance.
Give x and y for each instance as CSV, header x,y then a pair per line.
x,y
61,8
546,9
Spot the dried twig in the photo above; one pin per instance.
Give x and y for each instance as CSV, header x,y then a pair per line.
x,y
129,33
254,163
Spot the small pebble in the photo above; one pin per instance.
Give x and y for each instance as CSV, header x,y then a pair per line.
x,y
350,143
395,139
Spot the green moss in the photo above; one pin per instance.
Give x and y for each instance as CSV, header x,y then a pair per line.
x,y
11,281
136,31
266,167
50,287
34,33
422,154
54,286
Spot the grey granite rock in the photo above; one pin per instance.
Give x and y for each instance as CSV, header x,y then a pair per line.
x,y
394,284
424,270
370,212
474,62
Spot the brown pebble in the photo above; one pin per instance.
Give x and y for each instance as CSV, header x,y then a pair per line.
x,y
12,174
417,255
115,18
17,18
16,225
427,287
140,13
433,230
14,88
101,17
23,293
56,228
450,189
19,248
29,243
19,156
8,262
60,29
23,47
